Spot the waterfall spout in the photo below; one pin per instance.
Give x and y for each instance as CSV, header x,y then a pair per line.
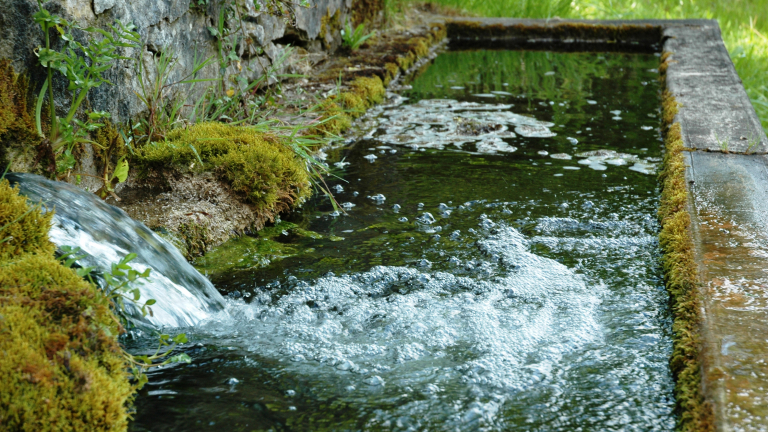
x,y
106,234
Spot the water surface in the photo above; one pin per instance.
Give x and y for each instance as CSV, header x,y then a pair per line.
x,y
496,268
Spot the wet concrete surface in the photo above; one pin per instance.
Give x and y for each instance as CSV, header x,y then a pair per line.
x,y
730,219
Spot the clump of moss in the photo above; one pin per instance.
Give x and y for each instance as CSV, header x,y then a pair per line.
x,y
24,230
195,237
366,11
18,133
340,110
367,86
258,165
61,368
111,146
681,279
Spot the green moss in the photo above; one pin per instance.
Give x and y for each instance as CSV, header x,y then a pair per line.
x,y
367,86
18,133
110,146
681,279
643,33
61,368
242,253
195,238
330,25
259,166
23,231
366,11
274,243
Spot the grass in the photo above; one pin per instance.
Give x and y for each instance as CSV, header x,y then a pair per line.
x,y
744,25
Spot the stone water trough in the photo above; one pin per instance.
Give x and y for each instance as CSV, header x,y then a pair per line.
x,y
726,175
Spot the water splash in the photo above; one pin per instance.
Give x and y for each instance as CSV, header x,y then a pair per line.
x,y
106,234
405,329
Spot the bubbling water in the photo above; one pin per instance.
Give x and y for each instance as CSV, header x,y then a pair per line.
x,y
476,340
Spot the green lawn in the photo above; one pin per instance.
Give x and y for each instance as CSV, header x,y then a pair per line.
x,y
744,24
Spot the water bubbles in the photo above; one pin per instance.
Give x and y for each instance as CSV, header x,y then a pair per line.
x,y
426,218
542,153
378,198
591,102
456,235
486,223
347,205
346,365
232,381
615,112
534,131
403,219
396,208
572,140
298,358
374,381
370,157
424,263
646,127
561,156
338,188
290,393
341,164
549,73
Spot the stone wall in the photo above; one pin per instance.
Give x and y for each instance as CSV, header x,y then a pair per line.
x,y
179,27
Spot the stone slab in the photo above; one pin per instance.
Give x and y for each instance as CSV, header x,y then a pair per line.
x,y
715,112
729,197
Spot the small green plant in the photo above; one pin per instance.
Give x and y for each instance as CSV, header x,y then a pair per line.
x,y
723,144
122,285
752,143
162,112
83,66
352,39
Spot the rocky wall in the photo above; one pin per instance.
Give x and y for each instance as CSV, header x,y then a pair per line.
x,y
180,28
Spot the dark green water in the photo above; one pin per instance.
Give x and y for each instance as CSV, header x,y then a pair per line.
x,y
496,268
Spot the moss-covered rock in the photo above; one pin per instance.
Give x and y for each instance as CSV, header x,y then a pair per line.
x,y
61,368
259,166
18,133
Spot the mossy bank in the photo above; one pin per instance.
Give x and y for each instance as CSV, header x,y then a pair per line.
x,y
61,367
210,181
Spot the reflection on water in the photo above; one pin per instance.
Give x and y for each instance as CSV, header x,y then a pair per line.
x,y
482,278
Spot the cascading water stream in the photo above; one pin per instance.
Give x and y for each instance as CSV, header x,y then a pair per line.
x,y
106,234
